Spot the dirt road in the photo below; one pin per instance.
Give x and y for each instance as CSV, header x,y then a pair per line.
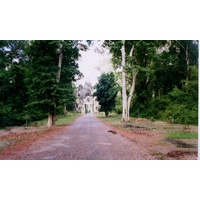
x,y
85,139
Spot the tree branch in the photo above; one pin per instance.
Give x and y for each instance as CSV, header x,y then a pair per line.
x,y
132,49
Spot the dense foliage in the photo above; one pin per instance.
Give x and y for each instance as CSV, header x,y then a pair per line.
x,y
106,92
171,92
30,88
13,91
167,80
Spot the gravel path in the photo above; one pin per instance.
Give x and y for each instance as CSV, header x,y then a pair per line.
x,y
85,139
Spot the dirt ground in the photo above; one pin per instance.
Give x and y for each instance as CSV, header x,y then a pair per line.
x,y
151,135
151,141
14,140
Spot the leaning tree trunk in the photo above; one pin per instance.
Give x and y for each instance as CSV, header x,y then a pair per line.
x,y
52,116
132,85
131,91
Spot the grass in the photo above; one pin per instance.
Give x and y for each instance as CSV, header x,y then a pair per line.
x,y
61,120
38,123
182,135
112,117
66,119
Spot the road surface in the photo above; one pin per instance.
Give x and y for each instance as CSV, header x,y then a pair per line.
x,y
86,139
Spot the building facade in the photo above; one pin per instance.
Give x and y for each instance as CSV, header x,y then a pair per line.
x,y
85,102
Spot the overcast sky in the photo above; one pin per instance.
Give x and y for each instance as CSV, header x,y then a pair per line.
x,y
93,63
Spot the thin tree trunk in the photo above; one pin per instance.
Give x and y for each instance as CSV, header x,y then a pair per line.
x,y
59,64
132,85
188,67
159,93
124,95
153,94
186,49
132,91
64,109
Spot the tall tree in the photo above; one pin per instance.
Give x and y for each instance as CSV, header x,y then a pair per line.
x,y
187,52
13,97
52,66
166,92
132,57
106,92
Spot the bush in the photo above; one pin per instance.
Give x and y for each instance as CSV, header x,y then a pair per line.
x,y
176,107
179,113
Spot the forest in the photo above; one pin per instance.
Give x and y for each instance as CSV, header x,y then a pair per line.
x,y
37,79
155,79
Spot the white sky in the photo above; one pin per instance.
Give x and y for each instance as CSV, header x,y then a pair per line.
x,y
92,63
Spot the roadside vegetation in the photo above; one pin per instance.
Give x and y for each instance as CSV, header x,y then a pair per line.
x,y
37,79
106,92
157,80
169,130
61,120
182,135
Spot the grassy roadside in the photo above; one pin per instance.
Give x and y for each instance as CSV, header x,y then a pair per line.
x,y
171,131
182,135
112,119
61,120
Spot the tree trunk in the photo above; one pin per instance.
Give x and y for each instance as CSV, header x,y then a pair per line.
x,y
52,115
127,102
59,64
153,94
159,93
64,109
106,113
131,92
50,120
186,49
124,94
188,67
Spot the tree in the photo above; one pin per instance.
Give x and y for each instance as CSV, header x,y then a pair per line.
x,y
106,92
13,97
52,68
169,74
131,57
187,52
36,79
116,47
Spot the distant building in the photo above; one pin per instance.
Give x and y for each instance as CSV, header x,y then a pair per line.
x,y
85,102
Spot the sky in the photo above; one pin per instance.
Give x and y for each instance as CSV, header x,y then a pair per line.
x,y
93,63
